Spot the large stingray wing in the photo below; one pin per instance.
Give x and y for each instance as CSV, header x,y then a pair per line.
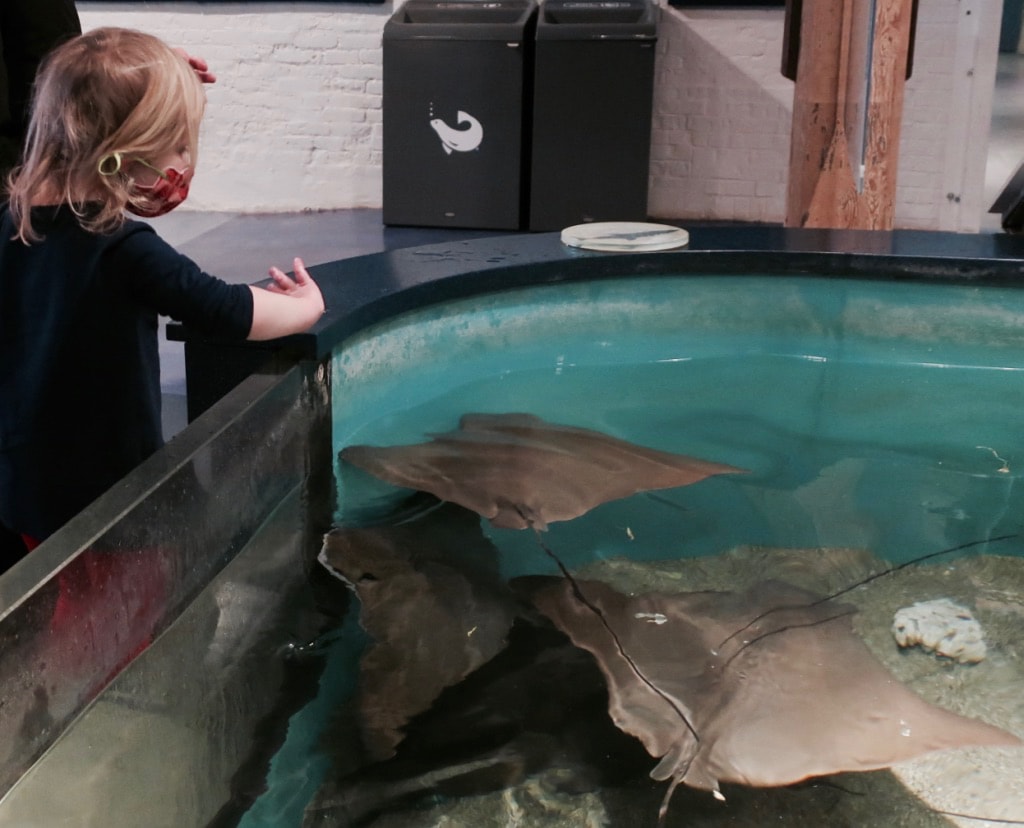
x,y
606,623
433,604
804,696
520,471
498,477
764,688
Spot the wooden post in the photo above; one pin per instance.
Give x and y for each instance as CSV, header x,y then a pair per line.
x,y
847,108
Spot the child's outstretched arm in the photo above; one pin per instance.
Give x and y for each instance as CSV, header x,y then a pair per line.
x,y
288,306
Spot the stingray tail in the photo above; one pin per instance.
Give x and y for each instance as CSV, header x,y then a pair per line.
x,y
663,809
857,584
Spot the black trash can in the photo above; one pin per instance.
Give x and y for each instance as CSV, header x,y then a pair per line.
x,y
454,110
592,97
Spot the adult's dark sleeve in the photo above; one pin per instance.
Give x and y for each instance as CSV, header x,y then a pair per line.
x,y
29,30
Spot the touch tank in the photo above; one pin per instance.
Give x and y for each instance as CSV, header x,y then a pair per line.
x,y
884,418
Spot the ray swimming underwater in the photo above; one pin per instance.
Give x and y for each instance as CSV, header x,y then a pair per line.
x,y
719,722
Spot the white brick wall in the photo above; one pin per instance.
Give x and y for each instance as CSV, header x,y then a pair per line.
x,y
722,116
294,121
720,137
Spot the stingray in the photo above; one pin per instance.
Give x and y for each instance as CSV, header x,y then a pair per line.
x,y
796,694
433,604
538,709
519,471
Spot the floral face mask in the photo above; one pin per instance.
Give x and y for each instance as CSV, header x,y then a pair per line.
x,y
164,194
151,200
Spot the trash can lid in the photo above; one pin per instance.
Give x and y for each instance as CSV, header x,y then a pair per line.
x,y
625,236
597,20
460,20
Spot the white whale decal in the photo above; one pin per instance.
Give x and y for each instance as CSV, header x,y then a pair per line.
x,y
459,140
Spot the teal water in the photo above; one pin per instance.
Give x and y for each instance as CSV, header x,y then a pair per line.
x,y
874,415
877,415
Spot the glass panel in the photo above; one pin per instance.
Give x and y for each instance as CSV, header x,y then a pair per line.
x,y
87,602
879,426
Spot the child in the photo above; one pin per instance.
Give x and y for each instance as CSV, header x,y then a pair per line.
x,y
114,127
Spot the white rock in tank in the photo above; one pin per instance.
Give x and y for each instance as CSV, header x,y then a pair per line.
x,y
942,627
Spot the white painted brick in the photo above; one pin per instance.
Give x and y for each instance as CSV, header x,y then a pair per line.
x,y
770,189
298,99
317,39
718,73
726,187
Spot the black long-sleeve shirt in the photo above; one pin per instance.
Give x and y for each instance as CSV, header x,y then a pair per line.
x,y
79,363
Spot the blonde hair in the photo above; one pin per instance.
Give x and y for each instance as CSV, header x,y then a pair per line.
x,y
108,94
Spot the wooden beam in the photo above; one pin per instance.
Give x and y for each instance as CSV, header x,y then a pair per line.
x,y
847,109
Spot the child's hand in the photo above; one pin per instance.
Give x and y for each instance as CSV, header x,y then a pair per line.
x,y
301,284
288,305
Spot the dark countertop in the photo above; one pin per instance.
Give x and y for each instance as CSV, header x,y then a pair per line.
x,y
365,290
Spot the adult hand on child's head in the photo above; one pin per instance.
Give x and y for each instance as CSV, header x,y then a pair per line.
x,y
199,66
